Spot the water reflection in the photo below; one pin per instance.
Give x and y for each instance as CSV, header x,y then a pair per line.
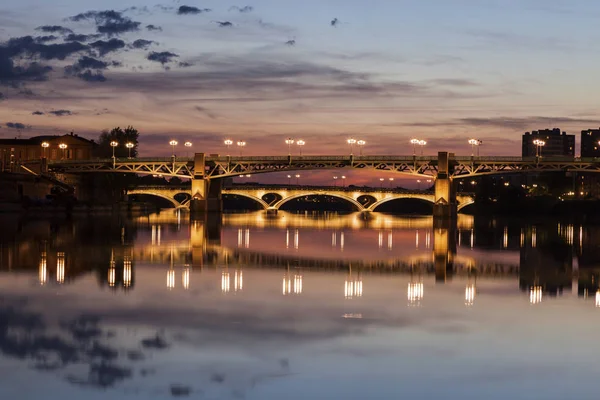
x,y
168,288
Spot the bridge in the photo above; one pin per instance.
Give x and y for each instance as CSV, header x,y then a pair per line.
x,y
206,171
274,197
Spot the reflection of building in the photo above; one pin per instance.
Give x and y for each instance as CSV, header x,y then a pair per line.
x,y
555,143
546,262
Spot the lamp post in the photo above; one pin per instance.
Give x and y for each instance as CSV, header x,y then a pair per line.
x,y
381,182
289,142
538,147
241,144
45,145
360,144
351,142
228,143
63,147
475,143
187,145
129,146
414,142
418,184
391,180
173,143
289,180
297,177
343,180
335,178
300,143
422,143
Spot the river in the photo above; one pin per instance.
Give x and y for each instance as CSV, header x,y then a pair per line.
x,y
298,306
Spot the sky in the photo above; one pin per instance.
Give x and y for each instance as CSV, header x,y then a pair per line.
x,y
321,71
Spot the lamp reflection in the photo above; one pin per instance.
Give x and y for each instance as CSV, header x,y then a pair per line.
x,y
60,267
505,238
535,294
238,280
415,293
598,298
292,286
127,272
297,239
185,277
170,279
353,287
43,273
470,292
225,282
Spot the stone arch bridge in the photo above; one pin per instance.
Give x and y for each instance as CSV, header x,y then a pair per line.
x,y
273,197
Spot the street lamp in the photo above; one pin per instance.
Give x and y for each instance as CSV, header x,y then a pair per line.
x,y
360,144
343,180
300,143
63,147
473,143
418,184
188,145
391,180
45,145
289,179
228,143
129,146
173,143
538,147
414,142
297,177
335,181
289,142
381,182
422,143
241,145
351,142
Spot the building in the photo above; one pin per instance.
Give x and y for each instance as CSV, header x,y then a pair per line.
x,y
16,151
589,143
557,143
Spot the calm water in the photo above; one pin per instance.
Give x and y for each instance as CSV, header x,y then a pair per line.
x,y
298,307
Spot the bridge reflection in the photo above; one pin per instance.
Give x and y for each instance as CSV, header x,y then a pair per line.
x,y
547,260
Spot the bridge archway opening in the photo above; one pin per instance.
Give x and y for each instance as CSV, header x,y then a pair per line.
x,y
366,200
238,202
319,202
466,208
405,206
182,197
154,199
272,198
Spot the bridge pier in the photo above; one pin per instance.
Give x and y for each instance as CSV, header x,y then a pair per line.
x,y
206,193
444,206
444,248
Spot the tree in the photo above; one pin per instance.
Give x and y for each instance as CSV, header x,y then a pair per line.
x,y
122,137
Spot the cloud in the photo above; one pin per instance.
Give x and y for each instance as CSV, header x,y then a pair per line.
x,y
162,57
224,24
185,10
105,47
37,113
74,37
206,112
17,125
185,64
54,29
142,44
44,39
28,45
245,9
89,76
61,113
1,96
153,28
109,22
514,123
453,82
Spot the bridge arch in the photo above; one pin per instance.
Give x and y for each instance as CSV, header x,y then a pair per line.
x,y
258,200
174,202
464,204
359,207
372,207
